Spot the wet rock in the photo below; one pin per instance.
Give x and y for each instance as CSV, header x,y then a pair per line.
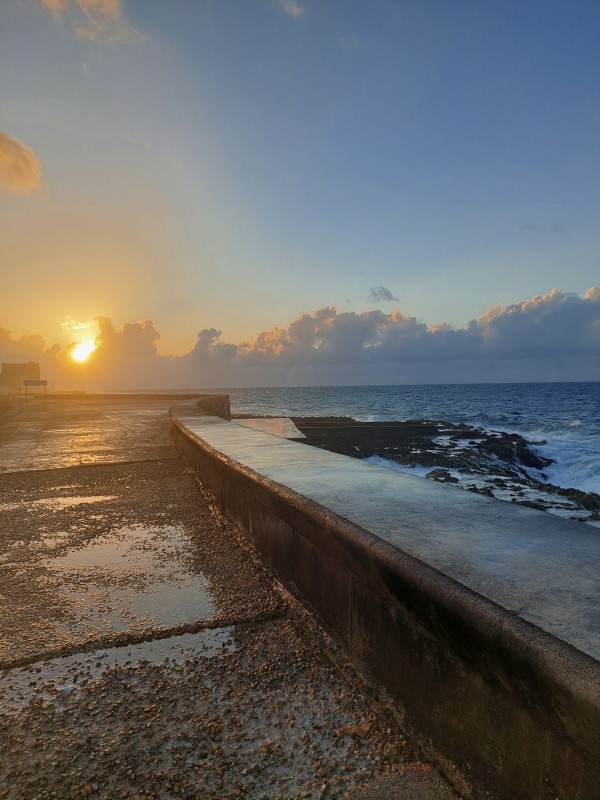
x,y
442,476
590,501
484,490
533,504
512,449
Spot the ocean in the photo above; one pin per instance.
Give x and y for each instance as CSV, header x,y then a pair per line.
x,y
562,420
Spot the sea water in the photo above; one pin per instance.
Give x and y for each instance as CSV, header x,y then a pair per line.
x,y
561,419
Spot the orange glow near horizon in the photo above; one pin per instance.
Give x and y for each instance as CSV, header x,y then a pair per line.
x,y
82,350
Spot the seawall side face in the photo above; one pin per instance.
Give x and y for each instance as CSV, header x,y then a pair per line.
x,y
486,674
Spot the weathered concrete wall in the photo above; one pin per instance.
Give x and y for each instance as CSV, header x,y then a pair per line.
x,y
514,708
215,405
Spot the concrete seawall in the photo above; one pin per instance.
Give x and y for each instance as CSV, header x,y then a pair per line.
x,y
480,618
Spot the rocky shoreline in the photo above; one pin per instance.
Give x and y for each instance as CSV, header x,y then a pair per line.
x,y
493,463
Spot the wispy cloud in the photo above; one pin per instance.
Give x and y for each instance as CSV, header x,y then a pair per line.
x,y
291,7
20,168
381,294
70,324
94,20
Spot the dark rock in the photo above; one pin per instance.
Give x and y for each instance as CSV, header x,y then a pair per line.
x,y
533,504
485,490
588,500
442,475
513,449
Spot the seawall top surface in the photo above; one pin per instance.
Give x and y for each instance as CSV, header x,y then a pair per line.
x,y
540,567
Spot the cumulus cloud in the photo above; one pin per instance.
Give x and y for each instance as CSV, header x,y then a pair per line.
x,y
554,336
542,329
134,341
26,348
555,323
291,7
381,294
94,20
20,168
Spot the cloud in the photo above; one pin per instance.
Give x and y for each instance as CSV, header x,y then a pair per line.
x,y
556,323
545,326
554,336
71,324
291,7
94,20
20,168
381,294
135,341
27,348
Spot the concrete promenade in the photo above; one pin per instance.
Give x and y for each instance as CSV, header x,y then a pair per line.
x,y
146,652
481,618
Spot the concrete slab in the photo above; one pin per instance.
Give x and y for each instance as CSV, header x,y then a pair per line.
x,y
77,430
543,568
276,426
108,554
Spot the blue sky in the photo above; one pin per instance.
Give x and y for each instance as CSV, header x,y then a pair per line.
x,y
236,164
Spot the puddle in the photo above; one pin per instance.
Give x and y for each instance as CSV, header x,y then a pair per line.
x,y
58,503
132,576
49,681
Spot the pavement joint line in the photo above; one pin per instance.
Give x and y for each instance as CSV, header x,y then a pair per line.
x,y
150,635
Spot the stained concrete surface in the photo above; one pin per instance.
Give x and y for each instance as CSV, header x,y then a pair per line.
x,y
159,658
276,426
138,555
76,430
545,569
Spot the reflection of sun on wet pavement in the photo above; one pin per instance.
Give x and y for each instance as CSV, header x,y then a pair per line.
x,y
57,503
72,431
105,554
132,579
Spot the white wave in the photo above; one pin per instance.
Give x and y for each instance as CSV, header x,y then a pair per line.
x,y
576,463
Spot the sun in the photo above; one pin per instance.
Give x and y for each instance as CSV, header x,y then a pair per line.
x,y
82,350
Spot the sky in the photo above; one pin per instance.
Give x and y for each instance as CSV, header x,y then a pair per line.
x,y
289,192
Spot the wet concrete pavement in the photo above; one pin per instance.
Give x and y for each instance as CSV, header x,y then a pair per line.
x,y
79,429
145,651
103,554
